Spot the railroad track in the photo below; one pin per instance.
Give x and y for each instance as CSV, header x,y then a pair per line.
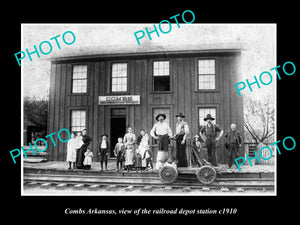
x,y
149,183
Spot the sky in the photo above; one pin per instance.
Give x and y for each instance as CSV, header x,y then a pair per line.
x,y
257,40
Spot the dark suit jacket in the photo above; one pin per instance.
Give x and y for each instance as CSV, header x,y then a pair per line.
x,y
103,150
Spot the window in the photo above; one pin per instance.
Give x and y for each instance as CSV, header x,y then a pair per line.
x,y
79,84
203,113
119,77
206,74
78,120
161,76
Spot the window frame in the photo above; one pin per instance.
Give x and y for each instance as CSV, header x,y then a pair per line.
x,y
111,78
207,107
153,76
72,79
216,89
78,109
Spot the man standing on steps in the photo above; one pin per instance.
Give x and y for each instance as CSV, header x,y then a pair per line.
x,y
209,134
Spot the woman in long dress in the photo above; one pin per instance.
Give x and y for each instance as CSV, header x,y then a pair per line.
x,y
130,141
80,153
72,146
129,138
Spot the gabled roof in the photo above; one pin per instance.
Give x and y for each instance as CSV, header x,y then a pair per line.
x,y
146,49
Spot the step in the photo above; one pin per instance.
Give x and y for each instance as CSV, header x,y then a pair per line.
x,y
36,159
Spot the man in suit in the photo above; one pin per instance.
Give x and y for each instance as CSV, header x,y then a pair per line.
x,y
233,143
182,130
103,146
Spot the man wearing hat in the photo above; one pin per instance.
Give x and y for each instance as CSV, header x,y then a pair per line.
x,y
161,131
209,134
233,143
182,130
103,150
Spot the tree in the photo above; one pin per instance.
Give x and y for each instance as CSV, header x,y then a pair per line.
x,y
259,118
37,111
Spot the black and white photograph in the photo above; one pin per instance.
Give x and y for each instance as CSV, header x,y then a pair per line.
x,y
149,109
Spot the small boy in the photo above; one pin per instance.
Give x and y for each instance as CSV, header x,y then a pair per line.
x,y
148,157
103,150
88,155
119,152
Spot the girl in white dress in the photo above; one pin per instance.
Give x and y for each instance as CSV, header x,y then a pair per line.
x,y
143,145
129,157
73,144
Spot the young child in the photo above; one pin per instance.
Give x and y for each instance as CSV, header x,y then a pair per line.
x,y
103,150
138,160
148,157
119,152
72,146
197,153
129,157
88,155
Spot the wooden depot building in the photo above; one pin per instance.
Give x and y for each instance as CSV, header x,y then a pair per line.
x,y
107,90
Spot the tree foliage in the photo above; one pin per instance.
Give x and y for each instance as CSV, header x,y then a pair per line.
x,y
36,111
259,118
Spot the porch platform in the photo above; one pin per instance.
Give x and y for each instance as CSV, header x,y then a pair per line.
x,y
58,167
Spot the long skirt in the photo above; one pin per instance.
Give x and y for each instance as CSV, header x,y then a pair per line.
x,y
80,158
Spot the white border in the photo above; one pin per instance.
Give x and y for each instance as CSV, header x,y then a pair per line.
x,y
148,194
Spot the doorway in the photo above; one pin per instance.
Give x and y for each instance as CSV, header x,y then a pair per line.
x,y
117,127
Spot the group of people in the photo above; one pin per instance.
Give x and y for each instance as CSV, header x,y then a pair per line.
x,y
128,156
132,152
78,152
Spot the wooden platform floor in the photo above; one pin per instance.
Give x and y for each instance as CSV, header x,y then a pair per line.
x,y
63,166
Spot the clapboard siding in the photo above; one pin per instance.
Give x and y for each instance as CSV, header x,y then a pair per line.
x,y
183,96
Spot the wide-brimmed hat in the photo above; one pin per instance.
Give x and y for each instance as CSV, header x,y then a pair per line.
x,y
163,115
180,114
209,117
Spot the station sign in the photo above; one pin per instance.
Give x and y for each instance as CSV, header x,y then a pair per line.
x,y
119,100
